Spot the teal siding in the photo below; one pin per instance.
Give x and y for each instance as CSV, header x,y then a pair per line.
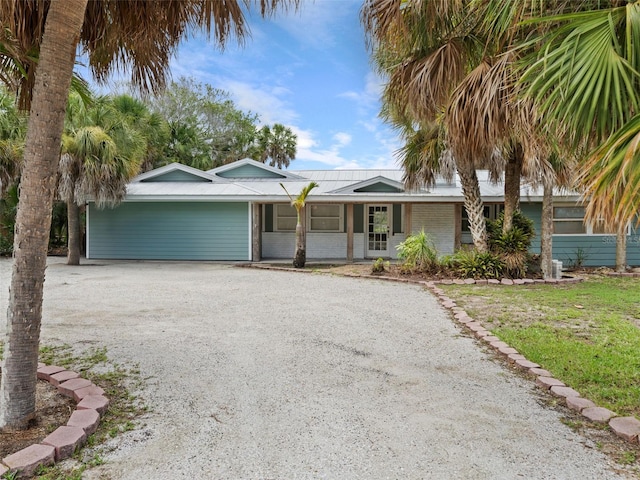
x,y
176,176
170,231
595,250
249,171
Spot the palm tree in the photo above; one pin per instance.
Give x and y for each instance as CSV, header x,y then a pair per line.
x,y
608,125
300,256
452,62
278,144
54,30
102,150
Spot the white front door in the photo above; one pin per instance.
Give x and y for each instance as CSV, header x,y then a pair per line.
x,y
377,231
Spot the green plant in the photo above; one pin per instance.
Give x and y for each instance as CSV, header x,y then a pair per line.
x,y
579,258
473,264
512,246
379,265
418,253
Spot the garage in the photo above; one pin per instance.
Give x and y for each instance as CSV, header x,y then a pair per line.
x,y
184,230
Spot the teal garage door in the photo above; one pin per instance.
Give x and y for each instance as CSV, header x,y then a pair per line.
x,y
169,231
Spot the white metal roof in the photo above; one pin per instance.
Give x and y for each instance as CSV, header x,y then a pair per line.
x,y
333,186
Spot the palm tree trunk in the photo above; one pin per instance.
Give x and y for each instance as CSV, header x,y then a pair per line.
x,y
41,155
512,174
474,206
546,227
621,249
300,257
73,233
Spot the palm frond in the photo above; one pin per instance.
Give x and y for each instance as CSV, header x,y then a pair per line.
x,y
588,66
610,178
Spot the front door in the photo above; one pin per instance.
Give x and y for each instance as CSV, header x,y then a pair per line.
x,y
377,231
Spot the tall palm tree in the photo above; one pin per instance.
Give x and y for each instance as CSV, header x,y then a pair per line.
x,y
276,144
298,202
102,149
453,60
140,35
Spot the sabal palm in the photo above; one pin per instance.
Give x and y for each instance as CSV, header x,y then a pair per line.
x,y
104,146
452,61
586,82
141,35
276,144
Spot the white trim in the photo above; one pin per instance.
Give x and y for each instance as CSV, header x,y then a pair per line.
x,y
87,223
173,167
588,227
372,181
340,229
275,217
382,253
250,256
248,161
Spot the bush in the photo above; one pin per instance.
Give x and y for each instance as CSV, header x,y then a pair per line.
x,y
512,247
472,264
379,266
418,253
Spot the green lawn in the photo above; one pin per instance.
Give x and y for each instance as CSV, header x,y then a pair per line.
x,y
586,334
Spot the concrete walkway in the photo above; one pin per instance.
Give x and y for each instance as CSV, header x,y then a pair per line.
x,y
254,374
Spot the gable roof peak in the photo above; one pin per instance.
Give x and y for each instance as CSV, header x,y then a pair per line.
x,y
248,162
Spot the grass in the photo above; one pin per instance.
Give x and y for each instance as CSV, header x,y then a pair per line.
x,y
121,416
585,334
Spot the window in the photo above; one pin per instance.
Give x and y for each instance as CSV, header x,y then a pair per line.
x,y
325,218
569,220
491,212
285,218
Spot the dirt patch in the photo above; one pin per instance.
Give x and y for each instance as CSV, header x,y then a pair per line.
x,y
52,410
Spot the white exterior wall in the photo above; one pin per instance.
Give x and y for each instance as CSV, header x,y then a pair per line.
x,y
319,245
438,221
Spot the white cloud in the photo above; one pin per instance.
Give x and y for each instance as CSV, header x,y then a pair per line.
x,y
342,138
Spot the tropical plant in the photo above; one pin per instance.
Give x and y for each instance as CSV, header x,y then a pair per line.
x,y
51,33
103,147
473,264
298,202
512,246
379,266
606,71
8,209
418,253
276,144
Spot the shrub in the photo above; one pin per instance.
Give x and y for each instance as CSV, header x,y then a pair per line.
x,y
512,247
418,253
472,264
379,266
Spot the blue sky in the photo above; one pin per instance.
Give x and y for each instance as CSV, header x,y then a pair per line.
x,y
308,69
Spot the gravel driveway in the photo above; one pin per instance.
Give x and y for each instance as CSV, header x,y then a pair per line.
x,y
255,374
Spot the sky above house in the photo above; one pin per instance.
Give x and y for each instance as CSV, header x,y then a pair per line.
x,y
309,70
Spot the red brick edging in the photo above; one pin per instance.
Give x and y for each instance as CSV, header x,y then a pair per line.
x,y
63,442
627,428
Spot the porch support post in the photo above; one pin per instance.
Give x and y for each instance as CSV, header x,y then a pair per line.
x,y
408,228
256,232
350,232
